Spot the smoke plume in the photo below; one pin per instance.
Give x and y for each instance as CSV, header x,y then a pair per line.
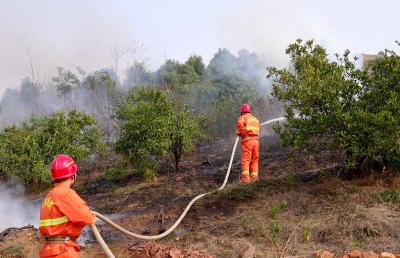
x,y
15,209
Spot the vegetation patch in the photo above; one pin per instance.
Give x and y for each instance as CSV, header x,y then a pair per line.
x,y
16,251
26,150
274,210
391,195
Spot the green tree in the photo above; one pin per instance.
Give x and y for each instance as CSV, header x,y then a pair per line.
x,y
235,80
178,77
197,63
65,82
145,118
151,128
186,130
102,88
27,150
358,110
380,104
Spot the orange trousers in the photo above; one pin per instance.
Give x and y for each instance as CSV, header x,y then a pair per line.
x,y
250,157
65,250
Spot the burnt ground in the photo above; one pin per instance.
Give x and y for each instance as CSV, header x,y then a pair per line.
x,y
283,213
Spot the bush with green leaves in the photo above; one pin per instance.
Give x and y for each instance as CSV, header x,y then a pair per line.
x,y
357,109
185,131
153,127
26,150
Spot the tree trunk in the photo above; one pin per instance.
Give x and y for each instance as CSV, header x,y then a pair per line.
x,y
177,159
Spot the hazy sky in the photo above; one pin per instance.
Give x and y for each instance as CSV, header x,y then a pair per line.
x,y
81,33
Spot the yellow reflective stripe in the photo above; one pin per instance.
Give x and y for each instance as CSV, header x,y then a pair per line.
x,y
245,173
53,222
255,128
254,173
252,120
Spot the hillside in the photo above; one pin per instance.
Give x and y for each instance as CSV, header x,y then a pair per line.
x,y
287,211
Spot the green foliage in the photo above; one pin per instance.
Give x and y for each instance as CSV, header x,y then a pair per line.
x,y
276,209
152,128
100,85
178,77
116,173
66,81
197,63
245,220
291,179
359,110
27,150
276,229
307,233
391,195
362,235
228,94
357,242
233,83
275,226
99,80
185,131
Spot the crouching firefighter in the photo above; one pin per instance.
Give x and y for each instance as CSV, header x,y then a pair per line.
x,y
63,213
248,128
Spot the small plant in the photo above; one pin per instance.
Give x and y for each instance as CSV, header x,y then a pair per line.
x,y
307,233
291,179
276,229
362,236
228,253
276,209
245,220
358,242
390,195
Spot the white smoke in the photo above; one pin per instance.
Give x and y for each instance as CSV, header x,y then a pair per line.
x,y
15,209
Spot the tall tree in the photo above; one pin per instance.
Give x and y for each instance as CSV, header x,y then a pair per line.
x,y
65,82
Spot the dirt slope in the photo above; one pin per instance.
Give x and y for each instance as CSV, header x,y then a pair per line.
x,y
280,214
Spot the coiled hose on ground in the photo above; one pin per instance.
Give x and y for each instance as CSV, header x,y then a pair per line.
x,y
107,250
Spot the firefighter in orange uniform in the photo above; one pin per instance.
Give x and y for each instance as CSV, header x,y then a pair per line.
x,y
248,127
63,213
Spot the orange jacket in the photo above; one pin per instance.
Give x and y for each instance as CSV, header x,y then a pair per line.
x,y
64,213
248,125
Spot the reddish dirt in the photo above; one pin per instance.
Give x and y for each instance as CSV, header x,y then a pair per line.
x,y
355,254
154,250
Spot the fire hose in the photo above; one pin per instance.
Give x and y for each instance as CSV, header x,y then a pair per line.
x,y
107,250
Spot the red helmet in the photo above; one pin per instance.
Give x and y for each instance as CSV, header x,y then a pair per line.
x,y
63,166
245,108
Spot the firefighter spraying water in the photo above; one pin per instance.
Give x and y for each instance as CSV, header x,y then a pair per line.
x,y
63,213
248,128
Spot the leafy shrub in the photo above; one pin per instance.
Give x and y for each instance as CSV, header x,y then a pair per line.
x,y
116,173
358,109
26,150
154,127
